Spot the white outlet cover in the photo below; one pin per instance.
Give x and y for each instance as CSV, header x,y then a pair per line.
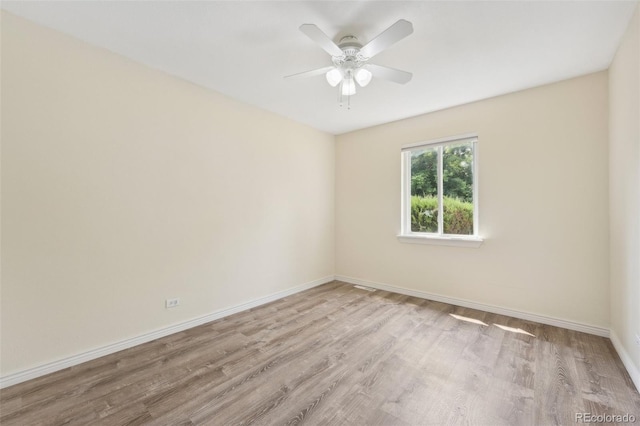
x,y
171,303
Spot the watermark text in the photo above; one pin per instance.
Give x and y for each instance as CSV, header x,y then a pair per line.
x,y
605,418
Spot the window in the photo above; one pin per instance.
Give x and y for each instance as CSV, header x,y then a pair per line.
x,y
439,192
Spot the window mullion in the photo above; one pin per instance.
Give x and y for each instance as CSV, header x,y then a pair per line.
x,y
440,191
475,187
406,192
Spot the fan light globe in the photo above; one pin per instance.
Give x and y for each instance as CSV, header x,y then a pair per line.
x,y
348,87
334,77
363,76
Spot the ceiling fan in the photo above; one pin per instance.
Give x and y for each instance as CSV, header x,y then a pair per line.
x,y
351,59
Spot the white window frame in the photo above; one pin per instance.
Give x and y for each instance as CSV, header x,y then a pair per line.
x,y
439,238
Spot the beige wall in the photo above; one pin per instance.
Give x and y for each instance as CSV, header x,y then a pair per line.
x,y
543,190
123,186
624,189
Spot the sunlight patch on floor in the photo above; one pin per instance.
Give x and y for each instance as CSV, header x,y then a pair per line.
x,y
514,330
467,319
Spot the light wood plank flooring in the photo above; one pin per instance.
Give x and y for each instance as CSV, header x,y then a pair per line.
x,y
339,355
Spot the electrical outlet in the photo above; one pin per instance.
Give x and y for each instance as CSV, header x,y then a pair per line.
x,y
638,339
171,303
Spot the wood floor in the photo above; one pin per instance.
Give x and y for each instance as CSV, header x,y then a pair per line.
x,y
336,354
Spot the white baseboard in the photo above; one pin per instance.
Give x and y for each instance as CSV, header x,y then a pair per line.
x,y
632,369
32,373
571,325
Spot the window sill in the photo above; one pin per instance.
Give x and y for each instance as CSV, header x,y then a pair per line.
x,y
466,241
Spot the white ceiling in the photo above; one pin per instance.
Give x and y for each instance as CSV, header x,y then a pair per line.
x,y
459,52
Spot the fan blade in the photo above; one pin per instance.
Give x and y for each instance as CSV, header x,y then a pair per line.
x,y
388,37
390,74
311,73
315,34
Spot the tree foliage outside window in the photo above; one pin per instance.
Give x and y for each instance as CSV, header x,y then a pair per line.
x,y
457,172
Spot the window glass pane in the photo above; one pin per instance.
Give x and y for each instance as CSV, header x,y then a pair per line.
x,y
424,190
457,180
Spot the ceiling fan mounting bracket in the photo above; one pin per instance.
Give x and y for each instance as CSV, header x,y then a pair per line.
x,y
349,41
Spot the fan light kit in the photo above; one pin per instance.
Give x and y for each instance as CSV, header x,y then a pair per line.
x,y
350,59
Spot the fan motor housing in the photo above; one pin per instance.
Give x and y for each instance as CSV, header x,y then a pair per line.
x,y
351,48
